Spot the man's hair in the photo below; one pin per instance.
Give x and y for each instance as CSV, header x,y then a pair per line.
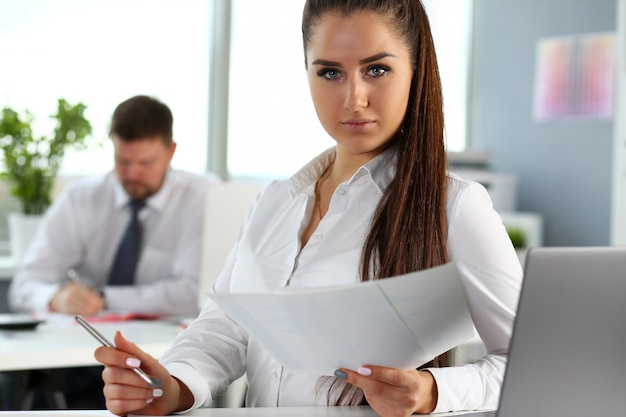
x,y
141,117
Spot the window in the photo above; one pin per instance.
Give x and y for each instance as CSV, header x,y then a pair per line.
x,y
100,53
272,126
451,26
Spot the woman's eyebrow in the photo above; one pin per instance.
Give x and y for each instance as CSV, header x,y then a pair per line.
x,y
326,63
377,57
367,60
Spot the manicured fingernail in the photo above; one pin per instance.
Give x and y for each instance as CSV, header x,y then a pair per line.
x,y
341,374
149,400
133,362
157,393
364,371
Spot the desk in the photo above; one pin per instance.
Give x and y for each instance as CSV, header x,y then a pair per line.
x,y
61,343
231,412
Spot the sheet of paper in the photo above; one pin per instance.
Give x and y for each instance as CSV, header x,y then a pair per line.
x,y
432,303
399,322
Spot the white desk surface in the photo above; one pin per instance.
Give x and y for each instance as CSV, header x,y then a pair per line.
x,y
62,343
231,412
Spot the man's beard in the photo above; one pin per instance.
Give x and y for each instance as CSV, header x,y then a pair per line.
x,y
137,190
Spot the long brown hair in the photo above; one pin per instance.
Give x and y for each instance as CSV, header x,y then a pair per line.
x,y
409,228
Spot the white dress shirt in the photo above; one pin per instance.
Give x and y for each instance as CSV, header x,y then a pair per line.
x,y
83,228
214,350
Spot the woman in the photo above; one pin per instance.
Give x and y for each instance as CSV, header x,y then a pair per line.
x,y
378,204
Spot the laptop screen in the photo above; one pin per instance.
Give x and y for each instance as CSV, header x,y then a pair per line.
x,y
568,352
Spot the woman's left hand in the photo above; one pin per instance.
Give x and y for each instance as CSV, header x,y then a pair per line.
x,y
394,392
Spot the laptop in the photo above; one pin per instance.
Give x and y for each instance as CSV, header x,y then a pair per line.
x,y
568,351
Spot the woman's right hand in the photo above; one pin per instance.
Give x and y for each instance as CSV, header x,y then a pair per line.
x,y
125,392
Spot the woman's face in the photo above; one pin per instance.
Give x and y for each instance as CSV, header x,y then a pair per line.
x,y
359,74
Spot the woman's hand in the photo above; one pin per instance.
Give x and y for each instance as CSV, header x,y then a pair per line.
x,y
394,392
125,392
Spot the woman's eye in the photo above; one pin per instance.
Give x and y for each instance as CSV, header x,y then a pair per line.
x,y
377,71
329,74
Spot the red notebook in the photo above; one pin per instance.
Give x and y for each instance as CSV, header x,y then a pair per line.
x,y
125,316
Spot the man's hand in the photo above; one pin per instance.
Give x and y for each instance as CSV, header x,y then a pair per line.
x,y
76,299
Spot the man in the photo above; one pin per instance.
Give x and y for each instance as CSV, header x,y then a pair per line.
x,y
91,253
82,232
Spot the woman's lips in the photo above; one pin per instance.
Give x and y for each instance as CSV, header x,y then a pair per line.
x,y
358,124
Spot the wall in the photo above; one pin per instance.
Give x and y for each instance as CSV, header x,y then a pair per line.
x,y
618,221
564,168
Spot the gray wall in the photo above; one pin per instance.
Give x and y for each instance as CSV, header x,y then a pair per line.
x,y
564,168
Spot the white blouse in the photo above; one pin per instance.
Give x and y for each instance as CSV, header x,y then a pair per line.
x,y
214,350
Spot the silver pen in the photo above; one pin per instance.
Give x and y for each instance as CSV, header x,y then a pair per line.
x,y
73,276
155,383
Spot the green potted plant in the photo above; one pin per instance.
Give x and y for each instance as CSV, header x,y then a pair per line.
x,y
31,163
518,237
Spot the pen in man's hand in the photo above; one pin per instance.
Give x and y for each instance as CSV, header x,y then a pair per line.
x,y
73,276
155,383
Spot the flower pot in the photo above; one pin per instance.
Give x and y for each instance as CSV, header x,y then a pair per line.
x,y
22,228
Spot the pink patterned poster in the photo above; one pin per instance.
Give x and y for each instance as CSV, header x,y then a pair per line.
x,y
574,78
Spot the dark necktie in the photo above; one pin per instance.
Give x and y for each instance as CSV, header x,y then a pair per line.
x,y
125,263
